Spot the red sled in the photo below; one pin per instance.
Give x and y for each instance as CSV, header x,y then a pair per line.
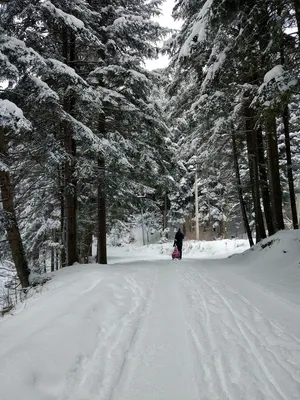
x,y
176,254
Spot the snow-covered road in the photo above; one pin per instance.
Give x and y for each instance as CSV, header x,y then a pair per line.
x,y
158,330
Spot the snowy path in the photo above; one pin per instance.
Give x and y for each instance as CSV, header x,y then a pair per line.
x,y
160,364
156,330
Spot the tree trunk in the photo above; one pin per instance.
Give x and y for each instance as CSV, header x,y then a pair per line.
x,y
289,166
260,219
63,261
253,169
286,120
11,225
101,243
55,251
52,259
70,147
101,248
44,261
165,218
91,245
71,199
264,182
273,160
240,190
86,245
35,260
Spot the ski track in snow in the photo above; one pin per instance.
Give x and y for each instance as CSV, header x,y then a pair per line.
x,y
96,376
168,331
250,356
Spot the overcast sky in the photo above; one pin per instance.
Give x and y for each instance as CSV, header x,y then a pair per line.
x,y
165,20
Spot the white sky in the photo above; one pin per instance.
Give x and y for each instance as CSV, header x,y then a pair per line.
x,y
167,21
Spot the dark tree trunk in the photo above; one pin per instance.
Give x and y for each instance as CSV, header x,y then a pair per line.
x,y
86,246
70,147
273,160
63,261
260,219
56,253
289,166
101,243
11,225
165,218
286,120
240,190
71,199
44,261
36,260
253,169
91,245
264,185
52,259
101,248
56,259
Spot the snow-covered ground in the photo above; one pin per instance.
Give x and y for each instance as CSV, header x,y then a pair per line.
x,y
191,249
145,327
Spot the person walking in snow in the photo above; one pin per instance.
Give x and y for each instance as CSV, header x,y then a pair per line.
x,y
179,236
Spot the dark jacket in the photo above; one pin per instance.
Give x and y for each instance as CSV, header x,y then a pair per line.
x,y
179,236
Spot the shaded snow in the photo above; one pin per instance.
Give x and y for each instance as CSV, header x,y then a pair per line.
x,y
274,73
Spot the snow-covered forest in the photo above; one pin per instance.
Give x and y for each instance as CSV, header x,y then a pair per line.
x,y
100,154
86,131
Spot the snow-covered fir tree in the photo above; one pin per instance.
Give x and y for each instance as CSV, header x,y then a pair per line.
x,y
83,63
224,51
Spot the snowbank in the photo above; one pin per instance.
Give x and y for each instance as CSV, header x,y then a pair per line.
x,y
191,249
275,263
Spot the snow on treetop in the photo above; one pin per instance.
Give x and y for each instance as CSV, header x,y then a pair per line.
x,y
198,29
17,48
64,69
46,92
12,116
274,73
7,70
215,67
3,167
9,108
69,19
279,79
